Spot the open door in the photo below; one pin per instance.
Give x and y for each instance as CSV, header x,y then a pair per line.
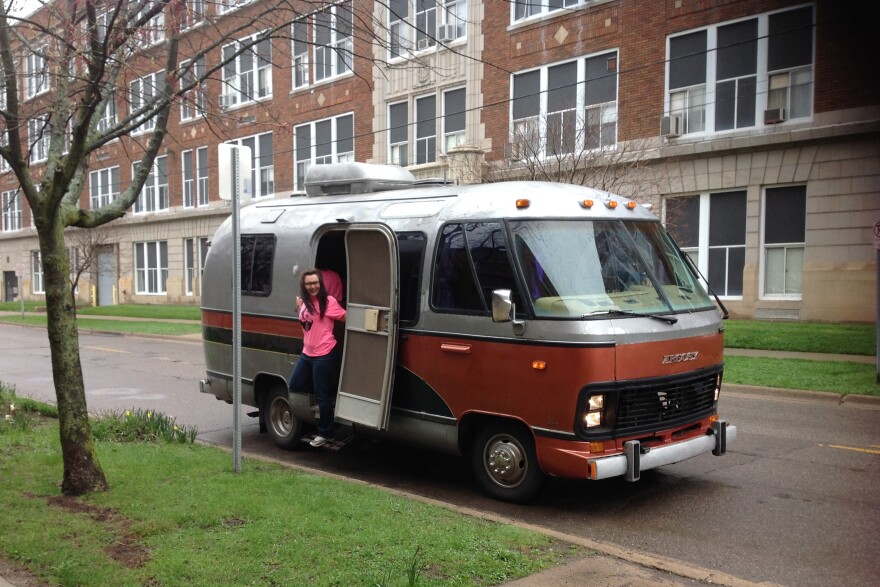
x,y
370,326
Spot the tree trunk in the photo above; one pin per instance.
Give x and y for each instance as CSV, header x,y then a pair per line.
x,y
82,471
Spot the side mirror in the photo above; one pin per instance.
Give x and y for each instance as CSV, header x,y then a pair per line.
x,y
502,306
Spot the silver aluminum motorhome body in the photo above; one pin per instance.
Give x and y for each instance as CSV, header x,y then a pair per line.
x,y
599,296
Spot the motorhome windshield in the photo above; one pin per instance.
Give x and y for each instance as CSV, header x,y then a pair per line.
x,y
583,269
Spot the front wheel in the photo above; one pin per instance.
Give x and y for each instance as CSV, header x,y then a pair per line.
x,y
284,428
505,463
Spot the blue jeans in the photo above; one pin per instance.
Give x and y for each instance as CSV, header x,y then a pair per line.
x,y
319,375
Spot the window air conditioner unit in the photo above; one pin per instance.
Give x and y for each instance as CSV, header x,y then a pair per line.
x,y
446,33
775,116
423,44
670,126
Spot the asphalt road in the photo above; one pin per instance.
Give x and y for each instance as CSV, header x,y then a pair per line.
x,y
794,502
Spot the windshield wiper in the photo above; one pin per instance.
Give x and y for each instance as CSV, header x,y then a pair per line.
x,y
667,319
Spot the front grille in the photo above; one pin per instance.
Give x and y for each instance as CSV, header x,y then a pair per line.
x,y
649,405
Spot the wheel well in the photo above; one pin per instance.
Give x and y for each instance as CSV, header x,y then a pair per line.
x,y
471,424
265,383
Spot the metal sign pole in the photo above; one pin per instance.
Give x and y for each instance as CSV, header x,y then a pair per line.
x,y
236,316
21,294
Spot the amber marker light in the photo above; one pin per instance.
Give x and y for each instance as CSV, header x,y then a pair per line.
x,y
539,365
631,205
586,203
523,203
611,204
597,447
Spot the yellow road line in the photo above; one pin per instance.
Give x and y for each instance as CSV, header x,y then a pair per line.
x,y
854,448
101,348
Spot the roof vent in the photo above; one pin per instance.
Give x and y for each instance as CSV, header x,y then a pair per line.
x,y
355,178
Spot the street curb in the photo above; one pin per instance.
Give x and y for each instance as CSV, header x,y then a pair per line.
x,y
830,397
641,559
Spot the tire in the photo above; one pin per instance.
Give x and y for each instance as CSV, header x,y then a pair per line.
x,y
505,463
283,427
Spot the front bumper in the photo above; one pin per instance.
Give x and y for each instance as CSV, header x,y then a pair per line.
x,y
636,459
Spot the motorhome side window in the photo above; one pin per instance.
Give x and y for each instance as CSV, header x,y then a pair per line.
x,y
471,262
257,256
411,247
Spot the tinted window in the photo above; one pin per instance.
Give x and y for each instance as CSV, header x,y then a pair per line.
x,y
411,249
257,256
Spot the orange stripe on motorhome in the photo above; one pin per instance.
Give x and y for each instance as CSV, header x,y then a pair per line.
x,y
250,323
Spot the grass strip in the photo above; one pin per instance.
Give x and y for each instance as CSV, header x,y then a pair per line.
x,y
832,376
178,515
157,328
809,337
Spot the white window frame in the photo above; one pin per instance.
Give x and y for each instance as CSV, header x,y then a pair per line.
x,y
37,72
336,154
241,84
530,136
141,91
154,193
419,30
39,137
108,116
37,285
456,137
151,278
785,247
423,143
339,51
11,202
225,6
195,187
153,31
398,151
193,102
527,10
689,103
262,176
194,14
299,50
103,186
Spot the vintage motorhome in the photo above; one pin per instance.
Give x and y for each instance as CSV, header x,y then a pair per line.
x,y
535,328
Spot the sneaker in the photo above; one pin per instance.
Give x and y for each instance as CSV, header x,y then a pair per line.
x,y
318,441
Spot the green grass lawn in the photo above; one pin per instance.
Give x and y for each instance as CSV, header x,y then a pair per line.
x,y
177,514
812,337
842,377
153,328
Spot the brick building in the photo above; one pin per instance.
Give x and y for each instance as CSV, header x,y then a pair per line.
x,y
751,127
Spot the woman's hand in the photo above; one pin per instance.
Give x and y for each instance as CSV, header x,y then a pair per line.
x,y
299,302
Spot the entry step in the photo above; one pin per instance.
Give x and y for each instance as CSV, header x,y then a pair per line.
x,y
334,444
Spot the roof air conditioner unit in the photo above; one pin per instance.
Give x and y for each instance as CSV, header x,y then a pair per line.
x,y
670,126
423,44
446,33
775,116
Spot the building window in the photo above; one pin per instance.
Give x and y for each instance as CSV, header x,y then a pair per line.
x,y
190,265
108,116
103,186
151,267
417,25
154,193
784,239
4,142
523,9
225,6
193,86
300,53
262,163
39,134
37,286
143,91
721,77
426,130
247,74
453,119
193,15
333,41
152,31
37,72
326,141
398,134
195,177
551,117
11,211
711,230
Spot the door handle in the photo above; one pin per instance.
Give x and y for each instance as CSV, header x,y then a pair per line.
x,y
449,347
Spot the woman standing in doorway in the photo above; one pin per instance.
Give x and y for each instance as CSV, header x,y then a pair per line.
x,y
317,368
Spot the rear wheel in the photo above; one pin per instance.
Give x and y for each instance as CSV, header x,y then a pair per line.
x,y
284,428
505,463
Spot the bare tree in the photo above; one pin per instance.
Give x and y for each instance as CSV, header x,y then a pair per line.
x,y
73,60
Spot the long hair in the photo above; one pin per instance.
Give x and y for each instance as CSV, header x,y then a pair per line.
x,y
322,292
